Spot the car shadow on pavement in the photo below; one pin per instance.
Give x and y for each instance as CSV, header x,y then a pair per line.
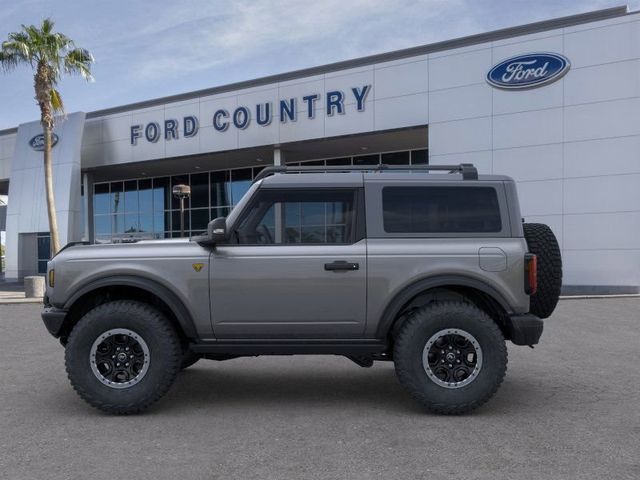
x,y
376,387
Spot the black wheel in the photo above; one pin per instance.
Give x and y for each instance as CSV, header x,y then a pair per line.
x,y
188,358
543,243
122,356
450,356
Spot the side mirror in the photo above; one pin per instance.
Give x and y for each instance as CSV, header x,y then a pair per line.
x,y
216,232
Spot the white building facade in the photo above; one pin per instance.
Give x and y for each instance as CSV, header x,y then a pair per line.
x,y
570,136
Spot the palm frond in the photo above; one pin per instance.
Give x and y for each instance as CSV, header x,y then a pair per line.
x,y
18,48
47,26
56,101
78,61
10,60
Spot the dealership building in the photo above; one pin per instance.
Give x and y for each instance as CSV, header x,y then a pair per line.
x,y
553,104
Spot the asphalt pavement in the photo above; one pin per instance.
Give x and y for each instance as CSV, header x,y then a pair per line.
x,y
568,409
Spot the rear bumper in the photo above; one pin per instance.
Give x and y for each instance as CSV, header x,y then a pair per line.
x,y
53,319
524,329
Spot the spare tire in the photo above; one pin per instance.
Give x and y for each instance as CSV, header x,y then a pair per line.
x,y
542,242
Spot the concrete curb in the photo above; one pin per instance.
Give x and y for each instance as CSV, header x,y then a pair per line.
x,y
584,297
14,301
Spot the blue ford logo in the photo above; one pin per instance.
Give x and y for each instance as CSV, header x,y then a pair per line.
x,y
528,71
37,142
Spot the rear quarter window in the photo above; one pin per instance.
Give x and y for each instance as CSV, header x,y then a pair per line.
x,y
441,209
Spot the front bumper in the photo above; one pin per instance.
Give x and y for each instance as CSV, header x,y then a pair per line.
x,y
524,329
53,319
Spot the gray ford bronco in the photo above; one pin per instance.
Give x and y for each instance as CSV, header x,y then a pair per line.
x,y
430,267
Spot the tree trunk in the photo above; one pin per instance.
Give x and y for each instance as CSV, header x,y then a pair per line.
x,y
51,204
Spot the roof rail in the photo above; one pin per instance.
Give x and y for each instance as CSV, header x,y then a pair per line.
x,y
468,170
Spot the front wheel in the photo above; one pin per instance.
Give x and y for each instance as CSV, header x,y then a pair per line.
x,y
122,356
450,356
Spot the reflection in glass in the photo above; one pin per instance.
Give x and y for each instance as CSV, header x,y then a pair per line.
x,y
102,224
101,199
131,196
367,160
145,196
419,157
199,190
161,194
199,218
116,197
240,183
220,189
179,180
395,158
146,222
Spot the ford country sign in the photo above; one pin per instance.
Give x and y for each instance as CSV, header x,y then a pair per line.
x,y
37,142
528,71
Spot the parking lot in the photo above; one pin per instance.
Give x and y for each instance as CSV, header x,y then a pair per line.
x,y
568,409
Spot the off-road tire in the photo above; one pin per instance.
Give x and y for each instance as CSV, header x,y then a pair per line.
x,y
414,335
188,358
542,242
165,355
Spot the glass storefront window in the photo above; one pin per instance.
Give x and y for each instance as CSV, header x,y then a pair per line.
x,y
240,183
145,208
395,158
175,221
199,190
419,157
220,188
339,161
131,196
367,160
179,180
199,219
161,194
101,199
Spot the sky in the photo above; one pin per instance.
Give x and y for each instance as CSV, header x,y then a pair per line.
x,y
148,49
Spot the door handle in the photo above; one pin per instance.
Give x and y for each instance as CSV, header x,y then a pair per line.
x,y
341,265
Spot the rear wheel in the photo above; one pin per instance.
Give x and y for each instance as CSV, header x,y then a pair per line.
x,y
542,242
450,356
122,356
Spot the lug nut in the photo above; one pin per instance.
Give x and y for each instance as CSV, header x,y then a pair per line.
x,y
117,364
126,364
113,356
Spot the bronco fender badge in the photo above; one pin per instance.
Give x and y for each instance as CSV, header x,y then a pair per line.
x,y
197,266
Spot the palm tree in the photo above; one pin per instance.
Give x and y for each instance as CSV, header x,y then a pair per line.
x,y
50,55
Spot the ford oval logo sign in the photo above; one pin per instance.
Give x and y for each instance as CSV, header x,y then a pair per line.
x,y
528,71
37,142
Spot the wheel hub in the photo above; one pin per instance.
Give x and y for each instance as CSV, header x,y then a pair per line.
x,y
119,358
452,358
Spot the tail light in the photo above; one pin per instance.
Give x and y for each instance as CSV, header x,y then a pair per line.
x,y
530,274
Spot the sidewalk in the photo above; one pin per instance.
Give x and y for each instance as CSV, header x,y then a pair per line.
x,y
13,292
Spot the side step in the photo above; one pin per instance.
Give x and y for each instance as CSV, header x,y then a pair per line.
x,y
355,348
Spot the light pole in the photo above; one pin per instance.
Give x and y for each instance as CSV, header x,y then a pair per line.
x,y
181,192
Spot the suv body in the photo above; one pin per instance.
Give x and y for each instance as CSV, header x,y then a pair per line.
x,y
327,262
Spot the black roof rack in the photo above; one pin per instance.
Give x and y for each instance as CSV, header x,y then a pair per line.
x,y
468,170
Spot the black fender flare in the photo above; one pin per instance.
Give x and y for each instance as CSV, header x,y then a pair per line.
x,y
177,307
394,307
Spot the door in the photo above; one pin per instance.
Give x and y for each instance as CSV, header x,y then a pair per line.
x,y
297,267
